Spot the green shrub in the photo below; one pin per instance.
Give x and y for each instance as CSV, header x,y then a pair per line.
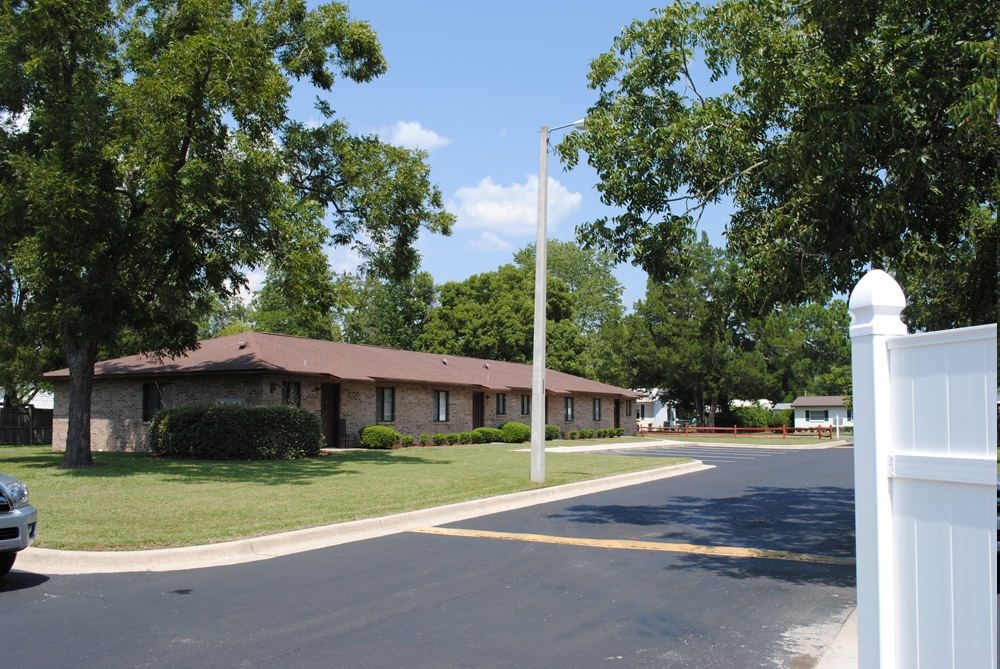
x,y
572,434
486,435
452,438
586,434
752,416
236,432
619,432
552,432
784,417
439,439
465,437
603,432
408,440
424,440
513,432
379,436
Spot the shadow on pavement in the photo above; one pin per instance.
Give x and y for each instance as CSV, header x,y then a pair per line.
x,y
21,580
818,521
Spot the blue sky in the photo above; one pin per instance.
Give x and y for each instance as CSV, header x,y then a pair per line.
x,y
472,83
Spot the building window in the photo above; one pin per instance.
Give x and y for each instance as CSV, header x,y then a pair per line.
x,y
155,398
850,414
597,410
525,405
815,415
385,404
440,406
642,411
569,409
291,393
628,407
501,404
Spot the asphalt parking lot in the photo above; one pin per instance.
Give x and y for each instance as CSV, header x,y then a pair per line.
x,y
473,599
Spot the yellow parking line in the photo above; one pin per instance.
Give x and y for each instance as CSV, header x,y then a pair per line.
x,y
726,551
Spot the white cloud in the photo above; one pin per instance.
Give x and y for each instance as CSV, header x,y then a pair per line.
x,y
343,259
513,209
489,242
412,135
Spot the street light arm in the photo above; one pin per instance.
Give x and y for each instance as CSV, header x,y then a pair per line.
x,y
577,125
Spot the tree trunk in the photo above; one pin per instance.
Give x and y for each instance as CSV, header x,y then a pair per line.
x,y
81,357
11,399
712,410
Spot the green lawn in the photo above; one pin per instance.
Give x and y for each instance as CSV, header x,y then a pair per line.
x,y
746,439
130,501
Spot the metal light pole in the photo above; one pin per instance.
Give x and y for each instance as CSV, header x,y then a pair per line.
x,y
541,290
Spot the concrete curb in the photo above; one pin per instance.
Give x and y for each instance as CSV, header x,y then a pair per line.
x,y
842,652
49,561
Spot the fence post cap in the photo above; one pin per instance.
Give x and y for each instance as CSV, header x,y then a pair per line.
x,y
875,305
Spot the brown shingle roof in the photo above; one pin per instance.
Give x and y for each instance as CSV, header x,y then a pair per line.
x,y
819,401
263,352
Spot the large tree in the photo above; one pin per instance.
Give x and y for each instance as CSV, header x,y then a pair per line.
x,y
491,315
383,312
300,294
597,302
685,339
855,133
147,160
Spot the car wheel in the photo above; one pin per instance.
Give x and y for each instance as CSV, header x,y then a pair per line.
x,y
6,562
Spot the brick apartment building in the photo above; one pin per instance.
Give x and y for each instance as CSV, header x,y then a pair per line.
x,y
348,386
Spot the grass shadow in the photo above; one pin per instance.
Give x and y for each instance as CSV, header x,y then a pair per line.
x,y
267,472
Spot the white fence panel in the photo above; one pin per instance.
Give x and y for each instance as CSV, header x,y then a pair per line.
x,y
925,470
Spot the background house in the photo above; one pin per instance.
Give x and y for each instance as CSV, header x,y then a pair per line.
x,y
651,411
348,386
822,410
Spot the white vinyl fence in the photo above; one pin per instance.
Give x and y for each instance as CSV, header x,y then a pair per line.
x,y
925,439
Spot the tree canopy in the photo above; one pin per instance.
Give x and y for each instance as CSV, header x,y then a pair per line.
x,y
686,339
856,134
382,312
491,315
147,160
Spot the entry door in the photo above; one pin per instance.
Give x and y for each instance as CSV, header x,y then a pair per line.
x,y
618,408
330,413
478,404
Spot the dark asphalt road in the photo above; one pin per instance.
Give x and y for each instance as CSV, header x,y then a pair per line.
x,y
416,600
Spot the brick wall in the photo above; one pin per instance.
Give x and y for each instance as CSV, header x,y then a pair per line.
x,y
117,425
116,422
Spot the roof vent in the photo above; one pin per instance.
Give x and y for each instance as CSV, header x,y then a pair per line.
x,y
243,345
487,365
444,361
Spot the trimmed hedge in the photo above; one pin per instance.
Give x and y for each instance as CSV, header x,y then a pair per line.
x,y
379,436
552,432
236,432
408,440
513,432
452,438
486,435
572,434
465,437
619,432
586,434
439,439
424,439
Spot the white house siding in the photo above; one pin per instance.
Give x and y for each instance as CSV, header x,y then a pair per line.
x,y
834,413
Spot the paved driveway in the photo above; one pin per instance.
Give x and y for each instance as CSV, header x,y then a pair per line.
x,y
429,600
